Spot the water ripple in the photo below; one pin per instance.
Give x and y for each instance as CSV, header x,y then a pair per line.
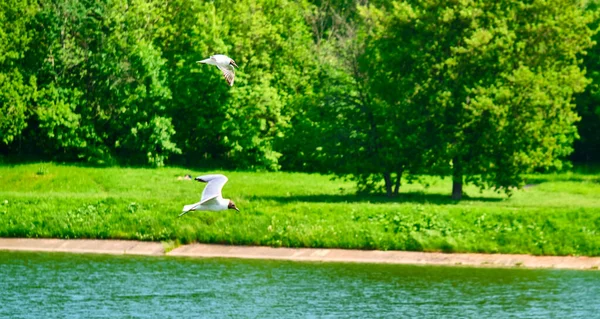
x,y
40,285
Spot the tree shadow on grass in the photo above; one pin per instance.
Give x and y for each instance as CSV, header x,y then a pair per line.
x,y
575,178
414,197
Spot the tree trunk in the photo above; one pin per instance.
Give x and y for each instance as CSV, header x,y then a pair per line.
x,y
397,185
457,179
457,190
387,177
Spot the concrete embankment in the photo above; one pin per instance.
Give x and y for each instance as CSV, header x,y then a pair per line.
x,y
128,247
97,246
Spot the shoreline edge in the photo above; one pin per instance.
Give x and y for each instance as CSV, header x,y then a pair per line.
x,y
132,247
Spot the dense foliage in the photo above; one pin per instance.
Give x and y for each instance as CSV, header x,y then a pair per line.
x,y
493,80
116,80
377,91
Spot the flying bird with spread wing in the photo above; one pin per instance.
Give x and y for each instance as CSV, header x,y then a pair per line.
x,y
225,64
211,200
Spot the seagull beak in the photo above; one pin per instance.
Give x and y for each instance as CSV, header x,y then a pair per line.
x,y
233,63
236,209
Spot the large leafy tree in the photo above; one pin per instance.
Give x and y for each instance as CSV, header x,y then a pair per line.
x,y
493,81
102,90
238,125
344,128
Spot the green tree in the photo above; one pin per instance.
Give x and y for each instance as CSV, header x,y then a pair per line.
x,y
102,86
117,79
494,81
238,125
17,91
344,128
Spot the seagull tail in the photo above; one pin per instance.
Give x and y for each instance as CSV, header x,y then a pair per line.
x,y
207,61
187,209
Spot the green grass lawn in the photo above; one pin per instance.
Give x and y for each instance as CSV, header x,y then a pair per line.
x,y
560,215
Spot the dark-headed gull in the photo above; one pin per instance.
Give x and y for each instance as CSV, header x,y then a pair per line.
x,y
225,64
211,200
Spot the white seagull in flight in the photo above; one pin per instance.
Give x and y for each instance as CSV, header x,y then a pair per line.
x,y
211,200
225,64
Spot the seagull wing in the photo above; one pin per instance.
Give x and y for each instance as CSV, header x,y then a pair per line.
x,y
228,73
210,60
220,59
213,188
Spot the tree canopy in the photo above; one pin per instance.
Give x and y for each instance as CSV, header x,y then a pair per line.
x,y
493,81
376,91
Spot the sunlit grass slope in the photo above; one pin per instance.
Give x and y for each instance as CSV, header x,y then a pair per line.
x,y
558,215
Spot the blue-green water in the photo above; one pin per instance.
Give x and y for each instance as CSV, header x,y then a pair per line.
x,y
40,285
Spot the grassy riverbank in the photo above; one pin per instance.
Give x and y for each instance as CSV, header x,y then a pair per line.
x,y
558,215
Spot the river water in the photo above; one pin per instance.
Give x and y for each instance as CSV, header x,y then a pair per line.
x,y
56,285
